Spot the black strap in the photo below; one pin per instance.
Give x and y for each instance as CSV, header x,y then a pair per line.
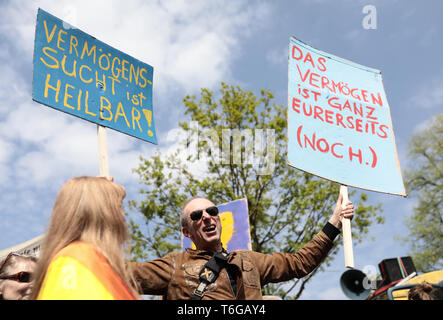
x,y
209,273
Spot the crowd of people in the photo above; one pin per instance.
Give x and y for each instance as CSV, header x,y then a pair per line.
x,y
83,255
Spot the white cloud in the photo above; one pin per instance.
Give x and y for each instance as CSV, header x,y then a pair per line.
x,y
6,153
11,88
430,95
31,122
278,56
421,126
353,34
6,149
189,44
174,142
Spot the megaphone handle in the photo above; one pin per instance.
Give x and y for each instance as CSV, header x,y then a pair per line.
x,y
347,234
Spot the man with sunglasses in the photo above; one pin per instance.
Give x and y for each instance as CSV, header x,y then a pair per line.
x,y
209,272
201,223
15,276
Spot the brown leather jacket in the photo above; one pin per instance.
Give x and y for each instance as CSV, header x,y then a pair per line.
x,y
176,275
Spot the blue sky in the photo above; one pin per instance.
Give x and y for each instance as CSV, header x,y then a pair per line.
x,y
194,44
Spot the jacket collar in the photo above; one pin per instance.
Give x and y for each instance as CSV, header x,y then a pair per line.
x,y
203,252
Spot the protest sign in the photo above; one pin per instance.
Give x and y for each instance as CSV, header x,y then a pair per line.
x,y
235,226
339,122
82,76
29,248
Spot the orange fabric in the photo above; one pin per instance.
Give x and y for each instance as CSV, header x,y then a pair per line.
x,y
99,280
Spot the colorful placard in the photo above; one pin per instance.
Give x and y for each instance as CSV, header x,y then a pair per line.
x,y
235,234
82,76
339,122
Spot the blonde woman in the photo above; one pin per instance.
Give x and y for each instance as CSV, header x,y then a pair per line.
x,y
82,255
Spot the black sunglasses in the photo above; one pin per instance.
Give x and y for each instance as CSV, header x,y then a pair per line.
x,y
197,214
20,277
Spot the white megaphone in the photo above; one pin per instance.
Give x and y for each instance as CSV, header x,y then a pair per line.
x,y
352,281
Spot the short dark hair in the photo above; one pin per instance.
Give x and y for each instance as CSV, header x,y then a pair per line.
x,y
422,291
183,220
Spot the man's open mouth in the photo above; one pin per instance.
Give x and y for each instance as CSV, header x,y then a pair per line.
x,y
209,229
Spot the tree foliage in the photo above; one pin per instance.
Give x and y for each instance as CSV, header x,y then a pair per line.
x,y
286,208
424,179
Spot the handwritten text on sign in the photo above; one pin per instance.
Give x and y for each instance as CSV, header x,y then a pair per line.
x,y
339,121
80,75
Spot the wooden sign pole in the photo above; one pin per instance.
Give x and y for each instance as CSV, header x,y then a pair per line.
x,y
347,234
103,151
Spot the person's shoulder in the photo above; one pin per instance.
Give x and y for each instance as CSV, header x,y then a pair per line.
x,y
246,253
175,254
172,255
75,249
82,252
242,251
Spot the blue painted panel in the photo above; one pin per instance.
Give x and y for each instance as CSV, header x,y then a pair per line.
x,y
80,75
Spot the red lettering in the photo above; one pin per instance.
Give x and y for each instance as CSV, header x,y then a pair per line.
x,y
312,144
321,62
372,123
358,111
336,85
374,157
298,135
296,105
297,54
309,58
304,110
339,119
306,74
384,135
323,145
350,120
364,95
334,105
347,105
379,101
359,155
325,82
370,112
299,51
328,116
326,148
317,112
358,125
305,93
333,152
316,94
311,80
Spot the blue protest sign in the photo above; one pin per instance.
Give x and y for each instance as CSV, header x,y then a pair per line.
x,y
339,122
235,234
80,75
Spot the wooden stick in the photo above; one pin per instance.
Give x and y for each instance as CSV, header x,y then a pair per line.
x,y
103,151
347,234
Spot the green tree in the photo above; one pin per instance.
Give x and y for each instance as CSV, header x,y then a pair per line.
x,y
424,179
287,207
